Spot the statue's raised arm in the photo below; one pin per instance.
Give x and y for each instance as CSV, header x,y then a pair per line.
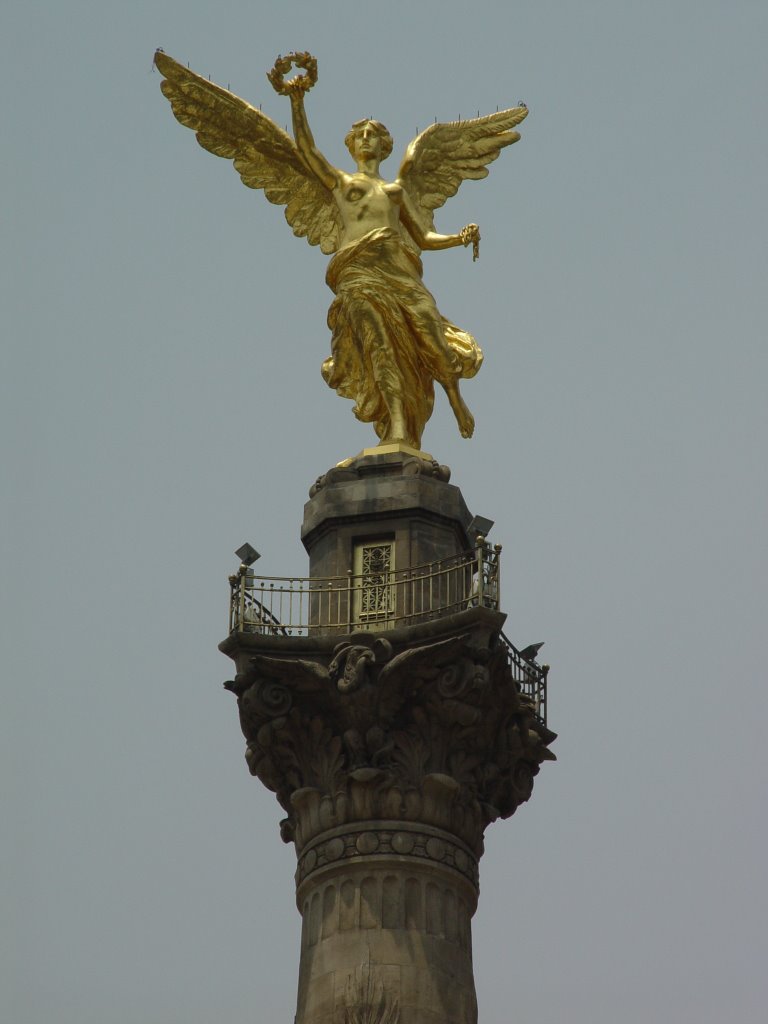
x,y
296,89
389,344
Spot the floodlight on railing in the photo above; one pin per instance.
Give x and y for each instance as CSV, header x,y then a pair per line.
x,y
480,526
247,554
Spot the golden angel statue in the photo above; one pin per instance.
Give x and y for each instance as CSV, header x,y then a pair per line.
x,y
389,342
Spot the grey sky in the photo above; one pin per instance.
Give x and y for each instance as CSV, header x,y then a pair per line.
x,y
162,402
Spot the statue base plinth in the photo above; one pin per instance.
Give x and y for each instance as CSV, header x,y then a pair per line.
x,y
387,449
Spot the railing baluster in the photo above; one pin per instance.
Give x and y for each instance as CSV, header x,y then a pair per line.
x,y
241,585
479,561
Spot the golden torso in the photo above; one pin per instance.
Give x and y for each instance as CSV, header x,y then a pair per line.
x,y
366,203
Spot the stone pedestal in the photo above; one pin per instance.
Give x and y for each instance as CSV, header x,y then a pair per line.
x,y
391,750
394,496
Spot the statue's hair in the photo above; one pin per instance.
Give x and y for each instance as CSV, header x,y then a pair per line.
x,y
387,143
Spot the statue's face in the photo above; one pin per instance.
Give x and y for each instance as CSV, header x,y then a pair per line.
x,y
367,142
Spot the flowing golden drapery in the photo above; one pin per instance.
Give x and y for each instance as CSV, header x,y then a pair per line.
x,y
388,337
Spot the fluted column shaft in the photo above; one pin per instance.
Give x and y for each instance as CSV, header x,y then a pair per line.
x,y
387,909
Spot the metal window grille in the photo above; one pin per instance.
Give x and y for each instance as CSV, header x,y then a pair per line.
x,y
375,591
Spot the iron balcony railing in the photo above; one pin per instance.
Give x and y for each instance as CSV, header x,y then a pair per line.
x,y
293,606
530,678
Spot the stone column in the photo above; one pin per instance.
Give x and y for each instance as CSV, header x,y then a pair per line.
x,y
390,752
387,908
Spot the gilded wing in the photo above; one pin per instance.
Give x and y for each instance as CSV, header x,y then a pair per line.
x,y
444,155
263,154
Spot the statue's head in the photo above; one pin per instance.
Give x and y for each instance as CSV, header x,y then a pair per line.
x,y
371,129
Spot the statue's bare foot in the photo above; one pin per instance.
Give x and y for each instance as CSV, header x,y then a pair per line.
x,y
466,423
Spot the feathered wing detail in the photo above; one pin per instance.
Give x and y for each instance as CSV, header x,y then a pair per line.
x,y
422,662
409,669
444,155
297,673
264,155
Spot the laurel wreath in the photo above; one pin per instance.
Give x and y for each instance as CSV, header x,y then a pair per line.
x,y
283,65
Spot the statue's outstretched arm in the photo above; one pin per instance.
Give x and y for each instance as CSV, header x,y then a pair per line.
x,y
444,155
425,239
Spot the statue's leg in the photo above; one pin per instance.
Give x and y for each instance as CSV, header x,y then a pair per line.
x,y
446,369
387,380
435,350
464,417
397,429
